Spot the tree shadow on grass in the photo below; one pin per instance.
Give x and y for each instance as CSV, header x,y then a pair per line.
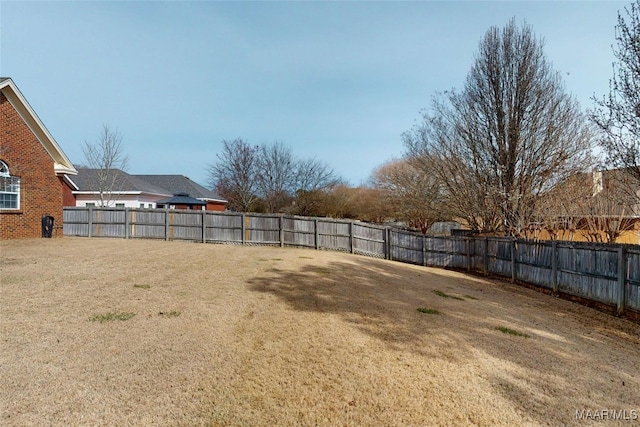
x,y
537,373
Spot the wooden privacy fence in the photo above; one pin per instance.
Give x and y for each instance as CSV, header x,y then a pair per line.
x,y
608,274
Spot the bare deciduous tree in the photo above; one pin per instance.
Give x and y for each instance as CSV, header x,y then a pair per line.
x,y
312,182
618,113
312,174
507,137
269,178
557,211
107,158
234,176
607,211
339,202
410,195
277,175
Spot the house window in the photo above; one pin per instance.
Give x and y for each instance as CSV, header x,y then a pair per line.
x,y
9,189
90,205
119,205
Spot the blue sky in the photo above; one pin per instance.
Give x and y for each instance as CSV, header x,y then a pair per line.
x,y
337,81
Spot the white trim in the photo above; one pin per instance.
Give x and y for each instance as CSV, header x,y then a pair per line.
x,y
205,199
12,193
6,174
123,193
71,183
62,164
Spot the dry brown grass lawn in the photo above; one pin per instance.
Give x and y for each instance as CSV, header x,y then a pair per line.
x,y
248,336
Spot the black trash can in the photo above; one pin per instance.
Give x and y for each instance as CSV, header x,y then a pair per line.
x,y
47,226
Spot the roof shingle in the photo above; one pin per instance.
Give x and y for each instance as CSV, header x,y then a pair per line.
x,y
181,184
167,185
87,180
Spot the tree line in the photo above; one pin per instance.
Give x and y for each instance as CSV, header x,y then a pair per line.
x,y
511,152
269,178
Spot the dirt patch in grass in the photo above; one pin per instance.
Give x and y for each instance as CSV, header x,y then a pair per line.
x,y
230,335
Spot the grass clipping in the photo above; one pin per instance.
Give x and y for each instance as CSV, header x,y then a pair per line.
x,y
111,316
510,331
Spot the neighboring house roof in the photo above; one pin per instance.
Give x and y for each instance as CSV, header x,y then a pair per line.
x,y
181,199
165,185
87,182
181,184
443,228
62,165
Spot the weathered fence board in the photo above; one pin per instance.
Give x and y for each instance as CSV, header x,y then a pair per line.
x,y
447,252
148,224
224,228
334,235
632,281
299,232
605,273
262,230
407,247
534,263
369,240
588,271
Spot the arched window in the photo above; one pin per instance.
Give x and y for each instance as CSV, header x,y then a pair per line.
x,y
4,169
9,188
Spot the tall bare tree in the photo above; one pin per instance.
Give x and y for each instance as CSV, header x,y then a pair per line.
x,y
410,195
235,175
507,137
312,174
277,176
313,180
618,113
107,159
269,178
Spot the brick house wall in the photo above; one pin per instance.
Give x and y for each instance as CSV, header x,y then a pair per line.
x,y
214,206
68,198
41,191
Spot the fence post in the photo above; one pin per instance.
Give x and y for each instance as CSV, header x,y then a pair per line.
x,y
315,233
243,228
467,241
388,245
622,275
127,223
554,267
204,226
485,256
90,228
424,250
281,227
350,236
513,260
166,224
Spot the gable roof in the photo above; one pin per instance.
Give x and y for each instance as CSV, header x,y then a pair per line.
x,y
164,185
176,184
62,165
87,181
